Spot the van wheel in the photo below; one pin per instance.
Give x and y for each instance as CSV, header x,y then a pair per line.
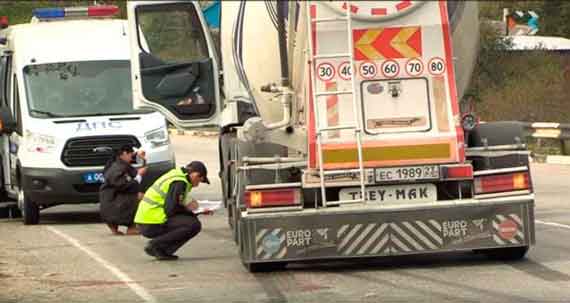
x,y
30,210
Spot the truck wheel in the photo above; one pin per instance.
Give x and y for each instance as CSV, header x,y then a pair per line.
x,y
30,210
265,267
507,254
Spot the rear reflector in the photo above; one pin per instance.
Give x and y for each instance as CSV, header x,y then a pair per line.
x,y
272,197
457,172
502,183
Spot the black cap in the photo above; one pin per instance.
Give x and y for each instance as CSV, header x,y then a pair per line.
x,y
199,167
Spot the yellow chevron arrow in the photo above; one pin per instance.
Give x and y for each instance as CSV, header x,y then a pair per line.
x,y
364,44
400,42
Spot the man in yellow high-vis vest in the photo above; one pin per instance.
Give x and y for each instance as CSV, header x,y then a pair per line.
x,y
166,216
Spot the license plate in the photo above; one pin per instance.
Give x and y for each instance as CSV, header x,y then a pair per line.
x,y
408,173
91,178
394,194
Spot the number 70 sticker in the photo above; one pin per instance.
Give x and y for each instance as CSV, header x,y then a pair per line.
x,y
414,67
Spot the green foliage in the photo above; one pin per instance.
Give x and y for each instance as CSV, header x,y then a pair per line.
x,y
526,86
514,85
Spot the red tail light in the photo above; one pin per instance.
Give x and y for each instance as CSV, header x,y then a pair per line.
x,y
272,197
502,183
457,172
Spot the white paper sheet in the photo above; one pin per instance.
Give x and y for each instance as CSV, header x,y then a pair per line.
x,y
205,205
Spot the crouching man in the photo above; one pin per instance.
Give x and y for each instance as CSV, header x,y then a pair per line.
x,y
165,216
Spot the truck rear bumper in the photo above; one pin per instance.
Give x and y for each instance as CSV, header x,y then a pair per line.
x,y
373,231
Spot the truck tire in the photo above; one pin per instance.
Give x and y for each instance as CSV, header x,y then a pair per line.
x,y
496,133
30,210
265,267
506,254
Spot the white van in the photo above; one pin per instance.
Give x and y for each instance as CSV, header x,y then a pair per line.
x,y
66,98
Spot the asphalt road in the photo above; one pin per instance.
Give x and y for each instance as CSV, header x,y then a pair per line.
x,y
71,257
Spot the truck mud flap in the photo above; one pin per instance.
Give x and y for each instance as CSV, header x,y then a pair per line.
x,y
386,233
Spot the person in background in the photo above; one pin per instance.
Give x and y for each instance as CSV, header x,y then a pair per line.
x,y
121,191
165,214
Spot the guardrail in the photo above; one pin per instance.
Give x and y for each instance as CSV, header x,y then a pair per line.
x,y
550,131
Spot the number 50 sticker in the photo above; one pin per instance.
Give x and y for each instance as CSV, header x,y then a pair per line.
x,y
368,70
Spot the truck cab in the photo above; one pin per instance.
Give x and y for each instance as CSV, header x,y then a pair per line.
x,y
66,104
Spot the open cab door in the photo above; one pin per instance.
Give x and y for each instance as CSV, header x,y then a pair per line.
x,y
173,62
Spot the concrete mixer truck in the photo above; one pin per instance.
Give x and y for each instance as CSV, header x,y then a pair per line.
x,y
340,131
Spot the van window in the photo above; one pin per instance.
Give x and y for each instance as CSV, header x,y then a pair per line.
x,y
83,88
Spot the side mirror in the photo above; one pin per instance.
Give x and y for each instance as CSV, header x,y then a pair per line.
x,y
7,122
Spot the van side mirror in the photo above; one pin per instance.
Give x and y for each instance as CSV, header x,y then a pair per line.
x,y
7,122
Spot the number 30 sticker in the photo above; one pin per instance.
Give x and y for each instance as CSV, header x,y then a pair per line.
x,y
368,70
414,67
325,71
390,68
436,66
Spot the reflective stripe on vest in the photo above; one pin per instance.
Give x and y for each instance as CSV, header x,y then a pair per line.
x,y
151,208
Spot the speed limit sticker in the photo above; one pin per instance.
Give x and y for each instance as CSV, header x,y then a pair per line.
x,y
345,70
368,70
390,68
436,66
325,71
414,67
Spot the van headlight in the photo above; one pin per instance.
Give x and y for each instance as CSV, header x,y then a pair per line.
x,y
157,137
39,143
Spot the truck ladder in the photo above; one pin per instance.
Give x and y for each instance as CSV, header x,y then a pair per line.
x,y
357,128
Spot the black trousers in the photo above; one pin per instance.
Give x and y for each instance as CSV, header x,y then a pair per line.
x,y
174,233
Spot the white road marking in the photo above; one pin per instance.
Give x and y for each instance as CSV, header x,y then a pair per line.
x,y
134,286
553,224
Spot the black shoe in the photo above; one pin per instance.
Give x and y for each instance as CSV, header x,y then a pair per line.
x,y
162,256
149,250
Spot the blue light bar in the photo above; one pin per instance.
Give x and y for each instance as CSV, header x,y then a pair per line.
x,y
48,13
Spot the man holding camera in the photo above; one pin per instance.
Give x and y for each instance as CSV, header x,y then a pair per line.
x,y
121,191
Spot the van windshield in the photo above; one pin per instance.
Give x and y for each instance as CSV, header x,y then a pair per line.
x,y
82,88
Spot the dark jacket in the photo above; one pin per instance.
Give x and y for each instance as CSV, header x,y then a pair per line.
x,y
118,195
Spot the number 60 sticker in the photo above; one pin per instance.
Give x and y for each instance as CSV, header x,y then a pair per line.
x,y
390,68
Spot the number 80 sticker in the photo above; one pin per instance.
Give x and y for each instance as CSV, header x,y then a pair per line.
x,y
325,71
436,66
